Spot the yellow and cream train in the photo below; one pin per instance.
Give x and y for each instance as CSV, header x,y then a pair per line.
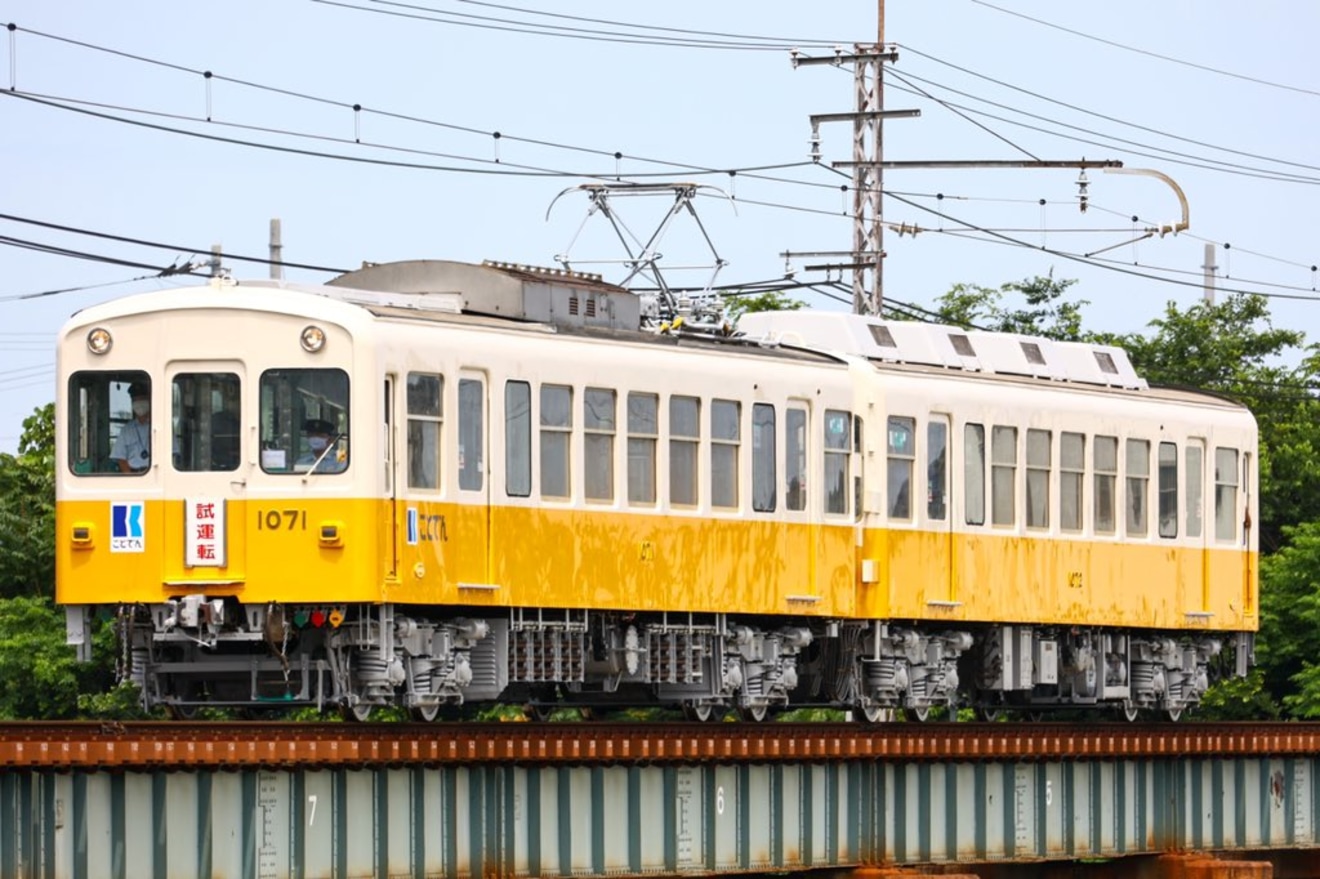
x,y
430,483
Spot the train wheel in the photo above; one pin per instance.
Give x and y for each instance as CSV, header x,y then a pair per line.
x,y
1130,711
989,714
359,713
876,714
181,712
699,711
920,715
754,713
425,713
1174,714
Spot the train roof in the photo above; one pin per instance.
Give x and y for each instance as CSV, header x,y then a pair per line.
x,y
905,342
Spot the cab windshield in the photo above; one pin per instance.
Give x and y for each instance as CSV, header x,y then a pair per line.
x,y
304,421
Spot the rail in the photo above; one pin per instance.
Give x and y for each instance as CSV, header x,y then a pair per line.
x,y
88,745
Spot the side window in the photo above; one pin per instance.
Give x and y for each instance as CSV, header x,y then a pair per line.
x,y
517,439
1003,475
937,469
795,458
1105,464
838,454
425,419
684,438
471,433
101,411
1168,490
205,421
1193,494
1038,478
1226,488
304,420
643,432
974,473
1072,480
764,472
902,458
725,437
1138,485
598,445
556,430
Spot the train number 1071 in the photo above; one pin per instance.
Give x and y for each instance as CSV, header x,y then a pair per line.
x,y
281,520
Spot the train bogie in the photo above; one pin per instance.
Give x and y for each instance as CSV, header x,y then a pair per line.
x,y
475,486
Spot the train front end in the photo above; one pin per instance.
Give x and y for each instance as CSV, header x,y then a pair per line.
x,y
215,499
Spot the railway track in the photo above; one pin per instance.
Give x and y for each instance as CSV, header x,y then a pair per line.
x,y
166,745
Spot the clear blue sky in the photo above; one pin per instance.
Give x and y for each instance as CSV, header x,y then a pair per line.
x,y
1239,86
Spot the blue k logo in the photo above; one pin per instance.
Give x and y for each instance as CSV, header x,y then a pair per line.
x,y
127,533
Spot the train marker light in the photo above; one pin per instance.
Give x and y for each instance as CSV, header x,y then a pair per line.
x,y
313,339
99,341
332,533
336,617
300,619
83,536
318,618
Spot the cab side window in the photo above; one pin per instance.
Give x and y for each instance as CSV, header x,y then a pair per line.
x,y
100,410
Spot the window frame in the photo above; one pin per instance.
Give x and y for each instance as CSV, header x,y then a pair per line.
x,y
555,441
725,444
598,432
419,417
1072,481
900,467
685,448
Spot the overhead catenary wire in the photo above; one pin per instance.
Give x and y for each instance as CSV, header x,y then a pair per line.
x,y
614,175
521,27
1082,110
1171,59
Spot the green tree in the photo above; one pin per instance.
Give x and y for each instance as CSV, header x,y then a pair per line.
x,y
770,300
27,509
1045,312
1288,648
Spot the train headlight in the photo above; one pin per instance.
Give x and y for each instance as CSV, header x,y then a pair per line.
x,y
313,339
99,341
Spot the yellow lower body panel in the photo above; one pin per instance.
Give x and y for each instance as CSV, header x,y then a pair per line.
x,y
413,552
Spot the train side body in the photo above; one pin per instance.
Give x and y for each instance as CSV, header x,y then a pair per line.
x,y
534,503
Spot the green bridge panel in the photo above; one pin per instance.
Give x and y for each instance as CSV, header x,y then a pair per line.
x,y
456,822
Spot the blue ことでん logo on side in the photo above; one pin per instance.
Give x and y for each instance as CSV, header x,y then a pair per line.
x,y
127,530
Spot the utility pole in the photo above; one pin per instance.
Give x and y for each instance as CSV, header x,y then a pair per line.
x,y
868,164
276,251
867,255
1210,270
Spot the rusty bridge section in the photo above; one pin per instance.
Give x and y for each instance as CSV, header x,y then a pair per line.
x,y
266,801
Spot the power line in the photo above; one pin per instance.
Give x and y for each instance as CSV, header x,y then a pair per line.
x,y
562,31
1079,258
160,246
1204,67
1078,109
790,42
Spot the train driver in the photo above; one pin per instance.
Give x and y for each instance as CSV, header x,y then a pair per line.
x,y
132,449
319,451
